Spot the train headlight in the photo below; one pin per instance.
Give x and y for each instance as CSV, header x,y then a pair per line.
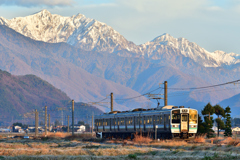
x,y
193,126
175,126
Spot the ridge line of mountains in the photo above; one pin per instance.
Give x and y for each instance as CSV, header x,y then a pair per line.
x,y
88,59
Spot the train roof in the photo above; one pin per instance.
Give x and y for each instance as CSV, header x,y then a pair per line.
x,y
140,110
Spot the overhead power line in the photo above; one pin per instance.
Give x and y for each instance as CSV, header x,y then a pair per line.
x,y
232,82
137,96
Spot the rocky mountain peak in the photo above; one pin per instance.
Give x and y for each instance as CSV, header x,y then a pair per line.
x,y
163,38
43,13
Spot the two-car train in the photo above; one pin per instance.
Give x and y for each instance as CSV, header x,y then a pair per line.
x,y
165,122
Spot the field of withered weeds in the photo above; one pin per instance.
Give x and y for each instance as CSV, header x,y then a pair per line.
x,y
61,146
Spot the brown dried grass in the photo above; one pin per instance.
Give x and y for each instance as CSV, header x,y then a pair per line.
x,y
141,139
200,140
234,142
57,135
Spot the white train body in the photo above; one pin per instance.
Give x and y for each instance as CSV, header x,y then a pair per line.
x,y
165,122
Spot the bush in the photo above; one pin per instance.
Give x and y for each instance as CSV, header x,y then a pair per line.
x,y
132,156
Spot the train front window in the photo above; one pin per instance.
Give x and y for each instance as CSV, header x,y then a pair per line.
x,y
193,116
176,116
184,118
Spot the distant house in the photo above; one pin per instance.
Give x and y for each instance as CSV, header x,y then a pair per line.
x,y
79,128
17,129
32,129
82,128
236,129
5,130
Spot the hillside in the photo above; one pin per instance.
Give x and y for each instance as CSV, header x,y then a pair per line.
x,y
233,103
23,94
57,64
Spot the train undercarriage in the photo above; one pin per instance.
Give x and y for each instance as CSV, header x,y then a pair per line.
x,y
124,135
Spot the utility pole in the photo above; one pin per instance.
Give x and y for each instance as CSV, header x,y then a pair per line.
x,y
62,117
92,122
49,122
68,125
165,94
45,121
36,123
72,117
111,102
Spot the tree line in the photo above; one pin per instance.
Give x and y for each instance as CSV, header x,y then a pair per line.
x,y
223,120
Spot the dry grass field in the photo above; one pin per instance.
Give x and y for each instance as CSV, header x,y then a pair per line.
x,y
84,146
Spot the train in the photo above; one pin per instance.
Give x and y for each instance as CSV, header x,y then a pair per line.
x,y
166,122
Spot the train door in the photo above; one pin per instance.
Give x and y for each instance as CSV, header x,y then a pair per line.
x,y
103,124
126,122
118,124
134,123
164,121
144,123
184,122
168,122
154,122
110,121
114,124
96,124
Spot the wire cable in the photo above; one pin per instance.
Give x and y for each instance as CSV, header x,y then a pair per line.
x,y
205,86
137,96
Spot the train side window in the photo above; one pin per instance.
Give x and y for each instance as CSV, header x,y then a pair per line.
x,y
151,120
161,119
95,122
144,120
140,120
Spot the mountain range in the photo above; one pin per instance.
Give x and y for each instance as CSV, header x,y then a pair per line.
x,y
21,95
88,59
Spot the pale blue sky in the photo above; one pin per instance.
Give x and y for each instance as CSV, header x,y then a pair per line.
x,y
212,24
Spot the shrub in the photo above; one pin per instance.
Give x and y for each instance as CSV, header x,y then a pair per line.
x,y
141,139
199,139
132,156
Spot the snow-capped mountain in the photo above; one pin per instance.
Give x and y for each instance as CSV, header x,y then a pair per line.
x,y
92,35
166,44
79,31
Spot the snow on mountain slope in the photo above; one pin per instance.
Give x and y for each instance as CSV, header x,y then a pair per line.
x,y
79,31
92,35
182,46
